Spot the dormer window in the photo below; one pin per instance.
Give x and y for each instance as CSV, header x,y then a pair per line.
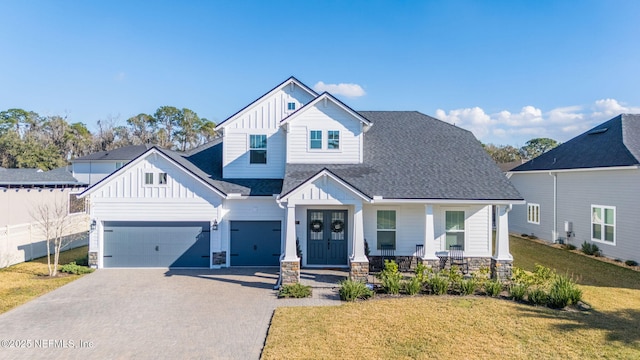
x,y
257,149
333,139
291,106
315,139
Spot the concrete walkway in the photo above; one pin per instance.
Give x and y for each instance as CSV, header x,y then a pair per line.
x,y
151,314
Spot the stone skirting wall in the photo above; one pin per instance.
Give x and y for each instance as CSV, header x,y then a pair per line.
x,y
219,258
501,269
405,263
93,259
290,272
359,271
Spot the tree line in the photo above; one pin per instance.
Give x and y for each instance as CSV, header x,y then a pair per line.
x,y
30,140
531,149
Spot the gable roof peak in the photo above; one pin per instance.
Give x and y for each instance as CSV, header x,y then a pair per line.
x,y
327,96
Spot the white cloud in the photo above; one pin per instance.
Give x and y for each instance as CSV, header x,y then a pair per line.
x,y
562,124
348,90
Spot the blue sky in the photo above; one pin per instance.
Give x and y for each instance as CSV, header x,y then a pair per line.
x,y
507,70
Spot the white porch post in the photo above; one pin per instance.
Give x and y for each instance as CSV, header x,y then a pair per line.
x,y
502,234
358,235
430,247
290,253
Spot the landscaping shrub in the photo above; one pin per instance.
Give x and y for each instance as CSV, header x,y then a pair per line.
x,y
422,272
590,249
73,268
468,286
390,277
631,263
482,276
296,290
537,296
570,247
563,292
412,286
518,291
83,261
352,290
493,288
438,284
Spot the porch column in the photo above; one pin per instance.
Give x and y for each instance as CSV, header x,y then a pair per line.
x,y
290,264
358,264
430,246
502,260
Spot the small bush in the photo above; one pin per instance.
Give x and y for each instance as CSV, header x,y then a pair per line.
x,y
493,288
563,292
482,276
353,290
390,277
590,249
438,284
468,286
537,296
296,290
518,291
422,272
631,263
83,261
412,286
570,247
73,268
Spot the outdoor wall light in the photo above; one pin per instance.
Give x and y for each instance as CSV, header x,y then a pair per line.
x,y
93,225
214,226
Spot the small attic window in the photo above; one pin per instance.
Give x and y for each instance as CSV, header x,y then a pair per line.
x,y
291,106
598,131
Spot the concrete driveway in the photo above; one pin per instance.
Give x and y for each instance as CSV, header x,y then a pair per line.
x,y
150,314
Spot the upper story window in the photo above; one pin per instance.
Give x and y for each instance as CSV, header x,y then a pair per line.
x,y
119,164
291,106
148,178
162,179
533,213
333,139
315,139
257,149
603,224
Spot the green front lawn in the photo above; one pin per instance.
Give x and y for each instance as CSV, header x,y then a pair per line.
x,y
427,327
22,282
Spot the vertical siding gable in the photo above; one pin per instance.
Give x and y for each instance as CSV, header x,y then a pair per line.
x,y
324,188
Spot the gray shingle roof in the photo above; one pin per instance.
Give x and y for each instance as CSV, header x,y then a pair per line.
x,y
615,142
124,153
409,155
35,177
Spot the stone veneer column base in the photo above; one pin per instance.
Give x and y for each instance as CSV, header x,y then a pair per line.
x,y
359,271
219,258
93,259
433,264
501,270
289,272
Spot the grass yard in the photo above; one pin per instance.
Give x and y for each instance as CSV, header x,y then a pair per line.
x,y
426,327
22,282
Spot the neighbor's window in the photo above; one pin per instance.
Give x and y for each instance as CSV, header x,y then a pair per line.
x,y
119,164
533,213
603,223
291,106
333,139
148,178
257,149
162,178
386,225
76,205
454,228
315,139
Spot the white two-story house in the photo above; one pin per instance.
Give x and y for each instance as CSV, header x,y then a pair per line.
x,y
299,179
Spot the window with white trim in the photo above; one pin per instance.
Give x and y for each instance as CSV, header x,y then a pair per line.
x,y
148,178
162,178
533,213
333,139
257,149
315,139
119,164
291,106
603,224
386,228
454,228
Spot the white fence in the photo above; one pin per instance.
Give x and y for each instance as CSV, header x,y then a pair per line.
x,y
24,242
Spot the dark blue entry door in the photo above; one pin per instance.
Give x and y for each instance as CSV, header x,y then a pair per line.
x,y
327,237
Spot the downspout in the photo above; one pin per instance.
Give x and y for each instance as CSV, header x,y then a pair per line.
x,y
279,282
555,206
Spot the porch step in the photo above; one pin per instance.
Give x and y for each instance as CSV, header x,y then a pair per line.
x,y
323,278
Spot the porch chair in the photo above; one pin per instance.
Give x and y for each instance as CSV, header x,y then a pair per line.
x,y
456,257
419,253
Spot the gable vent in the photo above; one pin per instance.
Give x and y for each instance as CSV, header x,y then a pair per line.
x,y
597,131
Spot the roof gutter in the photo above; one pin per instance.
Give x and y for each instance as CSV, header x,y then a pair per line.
x,y
381,200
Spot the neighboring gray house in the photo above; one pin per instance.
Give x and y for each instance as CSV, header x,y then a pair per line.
x,y
21,192
591,183
94,167
298,167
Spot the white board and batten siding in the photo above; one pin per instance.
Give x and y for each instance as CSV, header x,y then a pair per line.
x,y
261,118
324,189
537,189
325,116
